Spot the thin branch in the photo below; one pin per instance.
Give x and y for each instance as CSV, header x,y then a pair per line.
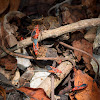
x,y
57,32
61,30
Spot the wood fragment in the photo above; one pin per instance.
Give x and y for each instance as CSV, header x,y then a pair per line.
x,y
52,87
26,77
91,34
65,67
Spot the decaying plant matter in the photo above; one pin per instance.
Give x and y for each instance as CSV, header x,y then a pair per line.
x,y
49,57
91,88
30,57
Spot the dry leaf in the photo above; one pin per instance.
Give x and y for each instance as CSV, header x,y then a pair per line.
x,y
91,7
3,92
34,93
71,14
91,92
85,46
9,62
91,34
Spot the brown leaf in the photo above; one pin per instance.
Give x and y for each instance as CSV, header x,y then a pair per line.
x,y
9,62
91,7
71,14
3,92
91,92
85,46
34,93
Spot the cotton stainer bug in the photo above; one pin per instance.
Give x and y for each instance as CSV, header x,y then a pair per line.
x,y
34,35
80,87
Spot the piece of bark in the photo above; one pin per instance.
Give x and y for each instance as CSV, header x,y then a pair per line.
x,y
85,53
65,67
26,77
16,78
91,34
58,31
9,32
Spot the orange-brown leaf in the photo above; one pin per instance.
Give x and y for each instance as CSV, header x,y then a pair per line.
x,y
3,92
34,93
91,92
85,46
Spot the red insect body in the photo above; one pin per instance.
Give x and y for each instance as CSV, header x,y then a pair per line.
x,y
37,32
22,38
54,70
80,87
35,39
59,61
35,48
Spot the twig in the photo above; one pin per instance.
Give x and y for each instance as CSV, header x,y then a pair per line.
x,y
58,31
31,57
61,30
52,82
52,87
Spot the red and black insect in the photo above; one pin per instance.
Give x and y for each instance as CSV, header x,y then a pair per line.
x,y
80,87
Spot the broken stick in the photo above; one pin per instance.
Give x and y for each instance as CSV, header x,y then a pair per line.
x,y
61,30
65,67
58,31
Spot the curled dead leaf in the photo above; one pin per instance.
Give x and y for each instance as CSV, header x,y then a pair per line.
x,y
91,92
34,93
85,46
9,62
